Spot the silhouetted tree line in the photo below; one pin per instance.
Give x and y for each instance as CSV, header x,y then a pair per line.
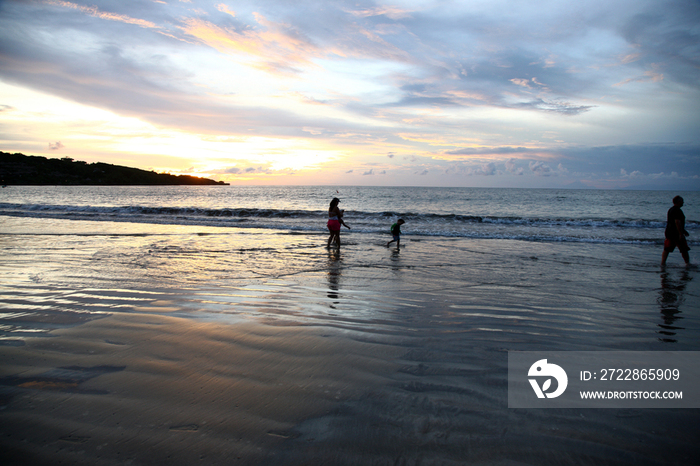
x,y
20,169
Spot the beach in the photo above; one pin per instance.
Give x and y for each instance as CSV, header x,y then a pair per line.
x,y
137,343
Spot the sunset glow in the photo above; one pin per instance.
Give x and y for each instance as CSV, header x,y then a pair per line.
x,y
372,93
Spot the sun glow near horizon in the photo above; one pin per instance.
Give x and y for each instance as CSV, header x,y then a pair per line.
x,y
159,149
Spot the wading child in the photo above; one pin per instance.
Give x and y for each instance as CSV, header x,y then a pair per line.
x,y
396,231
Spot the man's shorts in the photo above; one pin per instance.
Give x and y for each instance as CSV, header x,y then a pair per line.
x,y
670,245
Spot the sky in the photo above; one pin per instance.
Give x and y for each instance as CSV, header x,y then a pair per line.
x,y
492,93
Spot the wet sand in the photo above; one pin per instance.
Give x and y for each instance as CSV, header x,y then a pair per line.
x,y
276,351
153,389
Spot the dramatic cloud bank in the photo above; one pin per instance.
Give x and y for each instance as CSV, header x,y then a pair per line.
x,y
408,92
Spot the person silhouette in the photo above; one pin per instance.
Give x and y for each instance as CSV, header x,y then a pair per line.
x,y
335,219
396,232
675,232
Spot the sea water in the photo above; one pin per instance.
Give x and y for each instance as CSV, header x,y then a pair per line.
x,y
594,216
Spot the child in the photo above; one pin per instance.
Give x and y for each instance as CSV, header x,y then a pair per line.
x,y
396,231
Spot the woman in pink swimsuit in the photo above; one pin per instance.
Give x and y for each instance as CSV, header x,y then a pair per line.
x,y
335,219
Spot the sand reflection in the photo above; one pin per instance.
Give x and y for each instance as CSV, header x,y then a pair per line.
x,y
334,274
671,298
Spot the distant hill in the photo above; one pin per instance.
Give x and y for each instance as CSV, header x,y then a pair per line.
x,y
20,169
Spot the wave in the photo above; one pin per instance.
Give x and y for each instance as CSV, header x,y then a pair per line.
x,y
39,210
560,229
9,209
534,221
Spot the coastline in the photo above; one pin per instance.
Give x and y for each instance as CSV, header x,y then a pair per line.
x,y
31,170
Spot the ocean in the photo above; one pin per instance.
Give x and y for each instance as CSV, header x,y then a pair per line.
x,y
626,217
155,325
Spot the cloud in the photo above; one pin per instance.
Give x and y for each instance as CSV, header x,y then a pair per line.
x,y
563,108
651,76
247,171
484,169
314,131
56,145
664,41
388,11
521,82
97,13
278,47
487,169
634,174
541,169
225,9
498,150
572,90
511,167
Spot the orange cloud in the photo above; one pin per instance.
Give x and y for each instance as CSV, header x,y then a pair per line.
x,y
649,76
222,7
278,46
521,82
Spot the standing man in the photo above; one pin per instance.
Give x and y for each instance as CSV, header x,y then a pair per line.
x,y
675,232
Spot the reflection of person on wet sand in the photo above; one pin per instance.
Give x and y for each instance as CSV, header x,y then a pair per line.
x,y
670,300
335,219
675,232
334,273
